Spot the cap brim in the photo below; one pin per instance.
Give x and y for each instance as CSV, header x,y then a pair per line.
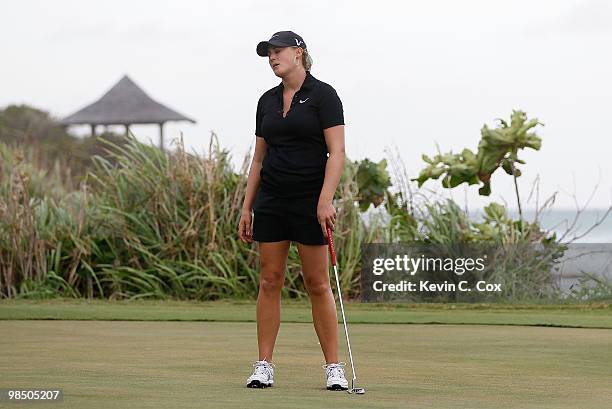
x,y
262,47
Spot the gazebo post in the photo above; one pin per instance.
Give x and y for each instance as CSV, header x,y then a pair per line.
x,y
127,130
161,136
93,130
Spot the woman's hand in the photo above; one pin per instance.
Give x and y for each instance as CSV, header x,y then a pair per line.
x,y
326,214
244,227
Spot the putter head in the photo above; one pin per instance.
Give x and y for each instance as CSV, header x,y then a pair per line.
x,y
356,391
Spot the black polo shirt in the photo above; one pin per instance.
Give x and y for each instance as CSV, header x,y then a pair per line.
x,y
294,164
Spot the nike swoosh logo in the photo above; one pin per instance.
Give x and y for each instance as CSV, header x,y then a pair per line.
x,y
301,102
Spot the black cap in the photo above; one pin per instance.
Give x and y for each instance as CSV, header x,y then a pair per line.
x,y
280,39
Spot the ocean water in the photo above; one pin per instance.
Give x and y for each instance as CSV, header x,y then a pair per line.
x,y
580,226
588,226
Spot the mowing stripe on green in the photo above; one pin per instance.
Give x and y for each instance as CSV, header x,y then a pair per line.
x,y
578,316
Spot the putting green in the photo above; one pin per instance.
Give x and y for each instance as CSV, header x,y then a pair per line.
x,y
579,316
153,364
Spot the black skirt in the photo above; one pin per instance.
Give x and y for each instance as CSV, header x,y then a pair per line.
x,y
294,219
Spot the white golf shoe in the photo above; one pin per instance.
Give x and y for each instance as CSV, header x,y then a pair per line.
x,y
335,376
263,375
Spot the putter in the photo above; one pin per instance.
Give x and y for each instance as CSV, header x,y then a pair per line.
x,y
332,251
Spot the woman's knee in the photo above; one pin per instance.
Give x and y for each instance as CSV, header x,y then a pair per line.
x,y
317,287
271,279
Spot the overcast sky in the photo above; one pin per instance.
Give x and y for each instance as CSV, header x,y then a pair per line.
x,y
409,73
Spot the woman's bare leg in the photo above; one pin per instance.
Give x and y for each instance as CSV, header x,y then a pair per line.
x,y
273,262
316,280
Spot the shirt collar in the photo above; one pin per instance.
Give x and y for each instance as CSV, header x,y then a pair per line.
x,y
306,85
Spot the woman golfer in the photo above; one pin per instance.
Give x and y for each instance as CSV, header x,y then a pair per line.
x,y
290,188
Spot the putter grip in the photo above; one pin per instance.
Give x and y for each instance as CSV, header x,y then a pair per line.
x,y
330,244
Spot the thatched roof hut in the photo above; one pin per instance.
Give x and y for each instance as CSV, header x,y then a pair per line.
x,y
125,104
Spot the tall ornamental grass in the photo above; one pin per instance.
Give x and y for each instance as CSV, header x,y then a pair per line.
x,y
150,224
144,224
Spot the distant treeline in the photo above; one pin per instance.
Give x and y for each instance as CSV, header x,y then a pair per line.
x,y
51,142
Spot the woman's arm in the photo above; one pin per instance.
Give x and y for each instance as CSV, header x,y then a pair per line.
x,y
326,213
244,226
253,179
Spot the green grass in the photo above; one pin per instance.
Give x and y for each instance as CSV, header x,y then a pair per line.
x,y
579,316
153,364
160,354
